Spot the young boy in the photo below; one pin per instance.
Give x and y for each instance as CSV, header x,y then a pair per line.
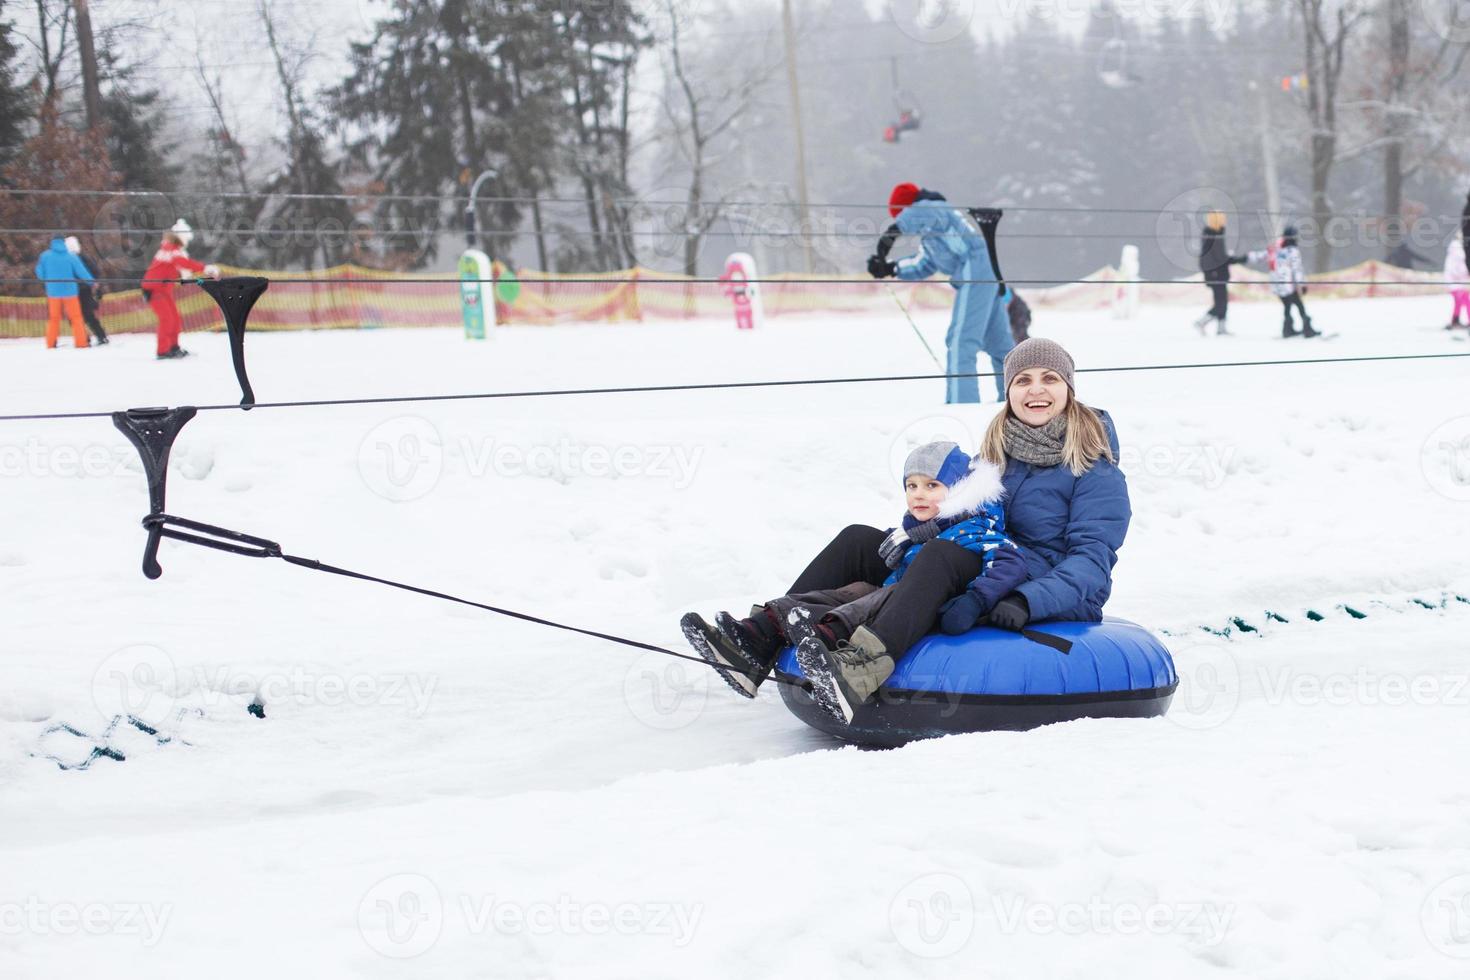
x,y
949,498
1288,281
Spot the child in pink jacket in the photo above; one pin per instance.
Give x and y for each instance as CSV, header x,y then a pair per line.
x,y
1457,277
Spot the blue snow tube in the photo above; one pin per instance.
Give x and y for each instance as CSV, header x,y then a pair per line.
x,y
993,680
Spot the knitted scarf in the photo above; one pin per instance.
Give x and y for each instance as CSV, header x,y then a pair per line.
x,y
1037,445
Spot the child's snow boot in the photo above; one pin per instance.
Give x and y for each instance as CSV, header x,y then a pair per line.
x,y
757,638
743,674
844,677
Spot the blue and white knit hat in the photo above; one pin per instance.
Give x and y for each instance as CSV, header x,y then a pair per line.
x,y
944,461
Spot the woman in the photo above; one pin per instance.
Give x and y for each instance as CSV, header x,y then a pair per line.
x,y
1066,508
171,263
1215,261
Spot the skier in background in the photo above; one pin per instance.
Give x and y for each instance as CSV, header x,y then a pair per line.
x,y
170,264
88,292
1215,261
1284,260
60,271
952,243
1457,277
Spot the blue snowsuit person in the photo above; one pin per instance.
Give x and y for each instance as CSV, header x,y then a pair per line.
x,y
950,242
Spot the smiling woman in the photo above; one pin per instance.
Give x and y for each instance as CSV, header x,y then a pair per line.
x,y
1067,501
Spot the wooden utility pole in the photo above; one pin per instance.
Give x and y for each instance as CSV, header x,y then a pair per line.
x,y
91,92
1268,156
804,217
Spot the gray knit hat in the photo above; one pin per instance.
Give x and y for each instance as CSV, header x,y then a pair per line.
x,y
1038,352
943,461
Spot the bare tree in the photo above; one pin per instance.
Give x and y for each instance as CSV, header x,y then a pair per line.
x,y
91,89
310,206
289,69
53,53
1419,107
699,108
1327,27
222,137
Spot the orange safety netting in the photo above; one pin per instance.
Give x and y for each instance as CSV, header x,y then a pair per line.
x,y
357,297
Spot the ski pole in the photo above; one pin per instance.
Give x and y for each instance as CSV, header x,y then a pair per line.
x,y
894,293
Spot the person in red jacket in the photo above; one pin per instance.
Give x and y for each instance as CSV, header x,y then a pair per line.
x,y
171,263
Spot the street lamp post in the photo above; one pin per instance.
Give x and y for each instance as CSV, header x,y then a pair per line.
x,y
471,231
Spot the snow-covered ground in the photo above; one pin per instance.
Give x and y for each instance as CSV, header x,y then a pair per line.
x,y
440,792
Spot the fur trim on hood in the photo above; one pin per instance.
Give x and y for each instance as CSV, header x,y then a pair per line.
x,y
978,488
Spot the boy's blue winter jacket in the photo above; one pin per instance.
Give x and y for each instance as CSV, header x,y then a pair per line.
x,y
1069,529
976,523
56,263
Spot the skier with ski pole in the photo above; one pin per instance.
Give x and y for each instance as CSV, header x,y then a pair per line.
x,y
957,244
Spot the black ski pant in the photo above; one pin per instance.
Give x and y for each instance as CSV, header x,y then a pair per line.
x,y
1221,306
1294,300
941,571
88,301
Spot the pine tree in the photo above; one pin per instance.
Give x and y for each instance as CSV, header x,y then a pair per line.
x,y
15,102
411,99
535,89
134,123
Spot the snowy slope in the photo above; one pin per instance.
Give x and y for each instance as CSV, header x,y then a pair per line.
x,y
563,807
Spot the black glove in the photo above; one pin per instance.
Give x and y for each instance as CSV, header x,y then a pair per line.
x,y
881,268
960,614
1302,290
1011,613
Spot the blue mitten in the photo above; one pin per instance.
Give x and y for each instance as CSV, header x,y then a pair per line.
x,y
959,614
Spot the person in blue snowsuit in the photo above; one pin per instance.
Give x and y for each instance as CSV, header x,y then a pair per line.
x,y
950,242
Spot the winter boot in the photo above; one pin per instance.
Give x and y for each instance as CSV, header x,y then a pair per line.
x,y
1309,331
1202,322
743,674
842,678
1220,330
757,637
1288,328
